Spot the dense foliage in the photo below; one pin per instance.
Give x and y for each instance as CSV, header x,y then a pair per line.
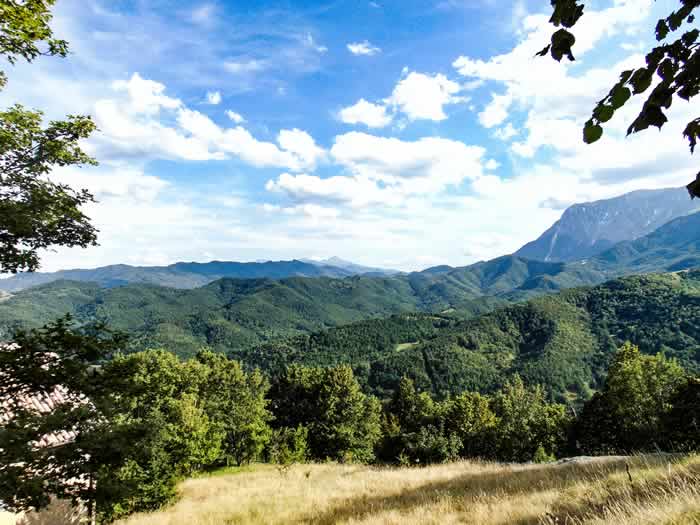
x,y
127,428
672,67
36,213
139,423
236,315
563,342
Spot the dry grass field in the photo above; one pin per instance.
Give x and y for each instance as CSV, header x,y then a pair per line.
x,y
661,491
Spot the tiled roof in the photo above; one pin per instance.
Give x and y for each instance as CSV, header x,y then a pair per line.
x,y
41,403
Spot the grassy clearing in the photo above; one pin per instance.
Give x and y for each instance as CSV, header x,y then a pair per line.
x,y
406,346
662,491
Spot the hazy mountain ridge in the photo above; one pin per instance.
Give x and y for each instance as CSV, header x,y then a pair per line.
x,y
355,269
179,275
587,229
237,313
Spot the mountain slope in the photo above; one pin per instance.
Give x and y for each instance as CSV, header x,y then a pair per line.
x,y
224,314
561,341
588,229
178,275
237,313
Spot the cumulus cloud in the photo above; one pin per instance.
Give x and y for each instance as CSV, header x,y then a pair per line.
x,y
420,96
364,112
350,191
384,171
149,124
392,160
214,98
363,48
235,117
541,83
492,164
497,111
506,132
554,100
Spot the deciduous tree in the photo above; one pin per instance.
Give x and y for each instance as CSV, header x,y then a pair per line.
x,y
37,213
672,71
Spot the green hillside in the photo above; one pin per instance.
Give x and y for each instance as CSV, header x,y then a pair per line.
x,y
235,314
561,341
224,314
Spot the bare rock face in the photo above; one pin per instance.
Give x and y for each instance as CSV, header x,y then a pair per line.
x,y
588,229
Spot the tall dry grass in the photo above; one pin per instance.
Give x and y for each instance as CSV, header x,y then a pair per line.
x,y
662,490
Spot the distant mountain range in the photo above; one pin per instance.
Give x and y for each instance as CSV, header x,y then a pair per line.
x,y
583,232
238,313
355,269
192,275
588,229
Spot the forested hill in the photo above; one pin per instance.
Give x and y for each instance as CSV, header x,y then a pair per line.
x,y
561,341
237,313
225,314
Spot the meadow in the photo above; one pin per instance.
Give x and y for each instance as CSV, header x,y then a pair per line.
x,y
613,490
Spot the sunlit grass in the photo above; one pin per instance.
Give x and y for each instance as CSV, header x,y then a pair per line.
x,y
662,491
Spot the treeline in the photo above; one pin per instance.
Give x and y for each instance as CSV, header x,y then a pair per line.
x,y
563,342
141,422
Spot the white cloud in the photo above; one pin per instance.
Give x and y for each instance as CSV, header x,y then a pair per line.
x,y
505,133
235,117
313,211
113,181
555,100
418,96
492,164
311,42
421,96
497,111
436,161
350,191
384,171
363,48
145,96
149,124
214,98
302,146
542,83
245,66
363,112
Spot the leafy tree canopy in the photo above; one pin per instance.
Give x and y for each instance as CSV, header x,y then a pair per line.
x,y
672,68
36,213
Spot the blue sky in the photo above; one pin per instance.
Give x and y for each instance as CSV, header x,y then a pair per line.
x,y
396,133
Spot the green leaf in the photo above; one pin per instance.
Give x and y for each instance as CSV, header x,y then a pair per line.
x,y
667,69
694,187
562,41
592,132
619,96
604,113
661,30
690,37
641,80
692,133
625,75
